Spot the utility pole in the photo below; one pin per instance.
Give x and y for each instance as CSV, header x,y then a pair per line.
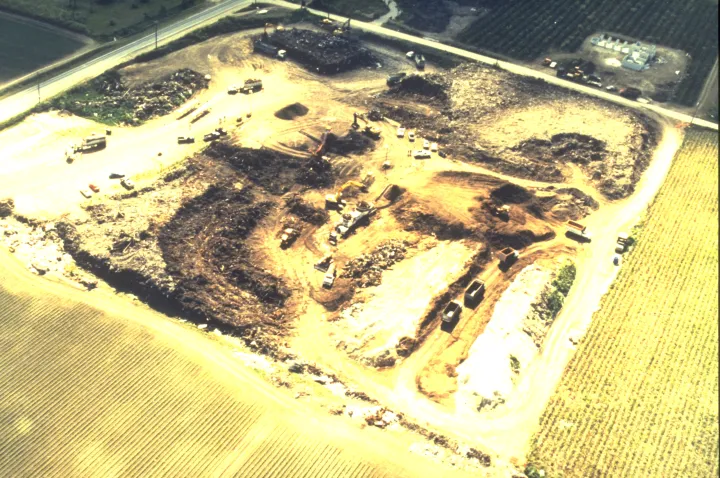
x,y
156,34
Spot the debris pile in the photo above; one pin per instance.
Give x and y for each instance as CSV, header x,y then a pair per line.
x,y
565,203
367,269
6,207
305,211
290,112
323,52
416,218
109,92
577,148
376,416
273,171
352,143
423,88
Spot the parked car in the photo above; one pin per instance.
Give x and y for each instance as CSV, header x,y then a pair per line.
x,y
433,147
127,183
442,154
94,188
411,136
616,259
410,55
86,192
401,132
426,144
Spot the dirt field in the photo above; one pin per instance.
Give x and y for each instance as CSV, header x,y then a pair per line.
x,y
200,235
655,411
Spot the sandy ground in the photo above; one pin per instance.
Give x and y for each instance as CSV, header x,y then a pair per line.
x,y
32,169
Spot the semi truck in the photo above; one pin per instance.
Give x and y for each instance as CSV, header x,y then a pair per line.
x,y
251,85
268,49
578,230
93,142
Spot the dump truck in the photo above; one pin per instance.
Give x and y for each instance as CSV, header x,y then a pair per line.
x,y
268,49
93,142
578,230
420,61
393,80
288,237
451,312
474,292
329,278
352,219
630,93
251,85
507,255
623,241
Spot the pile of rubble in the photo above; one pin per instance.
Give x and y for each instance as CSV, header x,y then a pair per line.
x,y
305,211
352,143
367,269
423,88
6,207
376,416
109,92
323,52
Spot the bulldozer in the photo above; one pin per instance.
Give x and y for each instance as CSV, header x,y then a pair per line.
x,y
368,130
335,201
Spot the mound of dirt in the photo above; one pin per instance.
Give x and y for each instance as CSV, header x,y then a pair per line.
x,y
203,247
422,88
352,143
415,218
290,112
322,52
305,211
577,148
511,194
273,171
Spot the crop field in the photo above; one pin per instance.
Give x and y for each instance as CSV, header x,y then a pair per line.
x,y
640,397
20,57
86,393
523,31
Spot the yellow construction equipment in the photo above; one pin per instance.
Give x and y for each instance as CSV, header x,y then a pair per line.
x,y
335,201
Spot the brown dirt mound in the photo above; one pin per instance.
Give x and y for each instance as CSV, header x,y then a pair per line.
x,y
273,171
352,143
306,212
416,218
511,194
431,87
6,207
290,112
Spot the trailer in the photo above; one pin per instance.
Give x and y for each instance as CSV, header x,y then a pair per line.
x,y
623,241
93,142
578,230
261,47
251,86
474,292
451,312
507,255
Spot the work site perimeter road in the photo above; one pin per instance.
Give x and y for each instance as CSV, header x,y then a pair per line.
x,y
20,102
511,67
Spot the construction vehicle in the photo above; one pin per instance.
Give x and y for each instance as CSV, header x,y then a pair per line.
x,y
352,219
251,86
474,292
327,24
333,238
262,47
329,278
288,237
393,80
419,61
185,140
451,312
375,115
335,201
202,111
630,93
211,136
342,29
324,264
93,142
623,241
578,230
507,255
322,143
371,131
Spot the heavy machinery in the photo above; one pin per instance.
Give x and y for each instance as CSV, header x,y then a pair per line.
x,y
335,201
623,241
329,278
324,264
263,47
342,29
578,230
185,140
327,24
288,237
419,61
369,130
503,212
352,219
375,115
320,150
93,142
252,85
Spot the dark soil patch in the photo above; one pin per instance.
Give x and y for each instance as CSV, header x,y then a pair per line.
x,y
306,212
292,111
352,143
416,218
511,194
422,88
6,207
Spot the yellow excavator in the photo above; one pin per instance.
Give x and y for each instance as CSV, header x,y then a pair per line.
x,y
368,130
335,201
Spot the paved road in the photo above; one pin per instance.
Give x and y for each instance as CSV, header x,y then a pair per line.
x,y
26,99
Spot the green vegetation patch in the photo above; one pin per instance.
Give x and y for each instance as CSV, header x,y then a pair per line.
x,y
525,30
